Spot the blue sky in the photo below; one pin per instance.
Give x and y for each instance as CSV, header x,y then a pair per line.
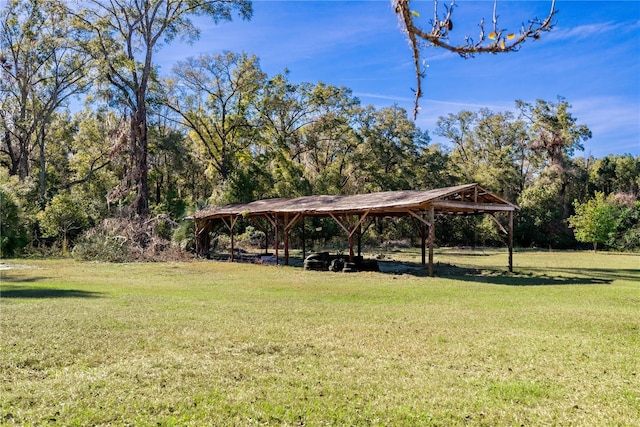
x,y
591,58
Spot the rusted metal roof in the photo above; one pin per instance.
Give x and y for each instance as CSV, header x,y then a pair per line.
x,y
458,199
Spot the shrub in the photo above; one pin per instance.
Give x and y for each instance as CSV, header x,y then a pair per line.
x,y
184,236
64,216
13,235
251,238
220,242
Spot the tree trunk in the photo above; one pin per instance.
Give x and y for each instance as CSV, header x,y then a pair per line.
x,y
65,243
139,144
23,160
13,167
43,166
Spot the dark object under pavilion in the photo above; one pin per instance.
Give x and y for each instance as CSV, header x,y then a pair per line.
x,y
351,212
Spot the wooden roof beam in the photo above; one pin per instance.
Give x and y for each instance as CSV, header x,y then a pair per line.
x,y
418,217
504,230
348,228
463,206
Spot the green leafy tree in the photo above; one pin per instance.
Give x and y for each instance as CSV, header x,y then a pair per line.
x,y
432,168
92,167
63,216
171,161
489,148
390,149
328,141
595,220
216,99
307,136
285,110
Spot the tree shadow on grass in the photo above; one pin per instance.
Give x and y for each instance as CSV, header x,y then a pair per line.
x,y
459,254
34,292
600,273
500,277
523,279
9,279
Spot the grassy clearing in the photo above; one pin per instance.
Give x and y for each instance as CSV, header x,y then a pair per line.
x,y
208,343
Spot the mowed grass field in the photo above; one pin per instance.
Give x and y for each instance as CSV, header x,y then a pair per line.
x,y
213,343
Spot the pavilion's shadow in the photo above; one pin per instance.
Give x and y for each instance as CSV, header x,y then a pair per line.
x,y
500,277
599,273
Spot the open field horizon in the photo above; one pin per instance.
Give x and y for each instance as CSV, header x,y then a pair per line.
x,y
215,343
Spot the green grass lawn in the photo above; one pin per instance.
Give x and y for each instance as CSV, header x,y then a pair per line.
x,y
212,343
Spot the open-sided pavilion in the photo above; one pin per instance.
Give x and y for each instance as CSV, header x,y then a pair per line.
x,y
353,211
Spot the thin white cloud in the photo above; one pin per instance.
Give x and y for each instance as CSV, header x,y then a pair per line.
x,y
429,56
606,113
610,119
590,31
470,105
383,96
295,31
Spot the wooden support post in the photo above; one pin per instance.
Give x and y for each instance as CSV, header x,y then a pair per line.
x,y
349,229
360,239
230,225
431,238
265,230
509,234
304,239
232,243
196,236
510,241
351,255
346,228
288,225
423,232
274,222
423,238
200,236
203,238
492,216
266,239
286,240
277,239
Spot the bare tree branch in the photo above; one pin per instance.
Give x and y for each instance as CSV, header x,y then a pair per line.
x,y
495,42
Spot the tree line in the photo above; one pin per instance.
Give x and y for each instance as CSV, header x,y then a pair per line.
x,y
148,150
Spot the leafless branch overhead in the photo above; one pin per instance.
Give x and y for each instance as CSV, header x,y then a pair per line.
x,y
496,41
